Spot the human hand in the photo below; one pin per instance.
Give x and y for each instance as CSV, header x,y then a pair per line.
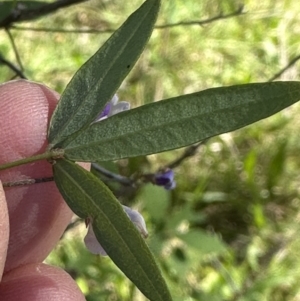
x,y
32,218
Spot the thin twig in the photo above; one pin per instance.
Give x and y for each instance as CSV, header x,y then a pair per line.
x,y
27,182
189,152
59,30
12,67
21,13
289,65
238,12
116,177
220,268
12,41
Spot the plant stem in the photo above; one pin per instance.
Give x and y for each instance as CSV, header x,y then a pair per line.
x,y
52,154
118,178
27,182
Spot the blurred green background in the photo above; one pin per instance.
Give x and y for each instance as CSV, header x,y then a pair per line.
x,y
229,231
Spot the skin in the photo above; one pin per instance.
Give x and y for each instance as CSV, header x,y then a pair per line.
x,y
33,217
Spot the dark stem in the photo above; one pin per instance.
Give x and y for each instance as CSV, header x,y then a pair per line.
x,y
110,175
221,16
12,41
27,182
12,67
238,12
189,152
60,30
289,65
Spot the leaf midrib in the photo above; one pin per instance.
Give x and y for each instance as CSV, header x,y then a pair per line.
x,y
149,128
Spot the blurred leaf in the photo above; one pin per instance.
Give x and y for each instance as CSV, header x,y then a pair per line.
x,y
277,163
180,263
179,254
137,164
87,196
181,121
8,7
214,196
250,164
258,215
97,80
204,243
156,201
186,213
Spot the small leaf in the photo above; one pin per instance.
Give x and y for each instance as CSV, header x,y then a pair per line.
x,y
97,80
203,242
87,196
181,121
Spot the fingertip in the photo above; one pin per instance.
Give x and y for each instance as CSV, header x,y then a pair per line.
x,y
35,282
4,229
25,111
37,213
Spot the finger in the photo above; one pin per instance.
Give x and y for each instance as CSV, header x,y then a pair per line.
x,y
4,229
35,282
37,213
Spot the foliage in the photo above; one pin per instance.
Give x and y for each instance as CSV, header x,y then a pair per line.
x,y
242,186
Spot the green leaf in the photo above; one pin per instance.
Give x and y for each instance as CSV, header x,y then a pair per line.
x,y
87,196
278,158
156,200
98,79
203,242
181,121
6,8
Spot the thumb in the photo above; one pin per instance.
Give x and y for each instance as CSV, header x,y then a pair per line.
x,y
37,213
4,229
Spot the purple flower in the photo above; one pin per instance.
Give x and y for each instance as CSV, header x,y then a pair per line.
x,y
165,179
113,107
95,247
